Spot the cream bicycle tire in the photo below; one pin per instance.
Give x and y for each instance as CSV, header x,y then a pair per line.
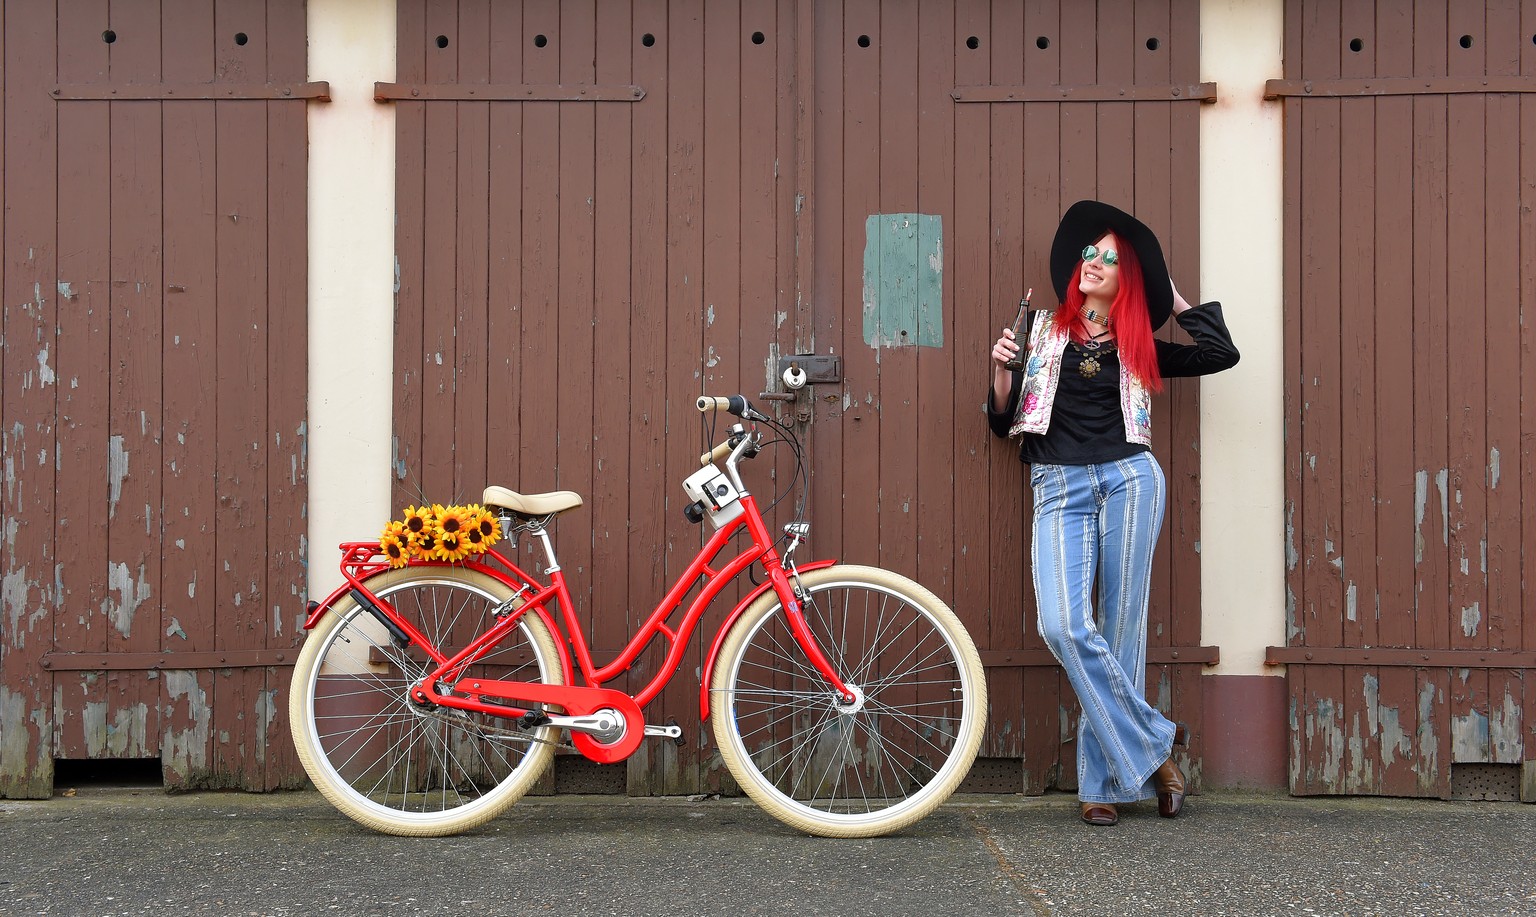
x,y
910,737
357,733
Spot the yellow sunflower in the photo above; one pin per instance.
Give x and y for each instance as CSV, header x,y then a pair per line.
x,y
425,545
486,523
418,519
450,547
451,520
394,542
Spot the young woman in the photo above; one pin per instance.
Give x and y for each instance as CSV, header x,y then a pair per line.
x,y
1081,412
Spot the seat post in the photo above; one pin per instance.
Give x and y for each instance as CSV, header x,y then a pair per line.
x,y
549,547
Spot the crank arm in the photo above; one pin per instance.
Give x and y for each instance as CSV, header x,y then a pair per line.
x,y
605,725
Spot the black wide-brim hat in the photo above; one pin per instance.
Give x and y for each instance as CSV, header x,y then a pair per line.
x,y
1083,224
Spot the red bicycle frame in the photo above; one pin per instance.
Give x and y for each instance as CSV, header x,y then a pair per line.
x,y
362,560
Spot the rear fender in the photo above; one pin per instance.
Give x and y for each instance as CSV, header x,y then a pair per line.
x,y
346,590
764,593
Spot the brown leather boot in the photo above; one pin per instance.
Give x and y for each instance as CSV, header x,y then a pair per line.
x,y
1102,814
1169,781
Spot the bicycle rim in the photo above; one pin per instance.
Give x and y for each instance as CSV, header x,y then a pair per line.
x,y
390,764
860,769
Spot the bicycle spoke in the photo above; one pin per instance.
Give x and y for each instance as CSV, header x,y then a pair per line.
x,y
879,761
418,769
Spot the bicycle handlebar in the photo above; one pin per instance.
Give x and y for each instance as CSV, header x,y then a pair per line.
x,y
734,404
716,454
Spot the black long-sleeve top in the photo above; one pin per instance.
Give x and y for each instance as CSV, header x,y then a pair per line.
x,y
1087,426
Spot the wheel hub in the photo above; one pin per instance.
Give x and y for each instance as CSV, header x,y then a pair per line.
x,y
849,708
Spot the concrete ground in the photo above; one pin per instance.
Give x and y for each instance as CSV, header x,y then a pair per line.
x,y
123,850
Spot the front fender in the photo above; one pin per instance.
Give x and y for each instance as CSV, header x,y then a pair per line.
x,y
741,609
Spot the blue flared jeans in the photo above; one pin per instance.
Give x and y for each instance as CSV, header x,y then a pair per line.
x,y
1100,522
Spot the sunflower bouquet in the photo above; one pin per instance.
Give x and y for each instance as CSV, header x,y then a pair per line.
x,y
437,532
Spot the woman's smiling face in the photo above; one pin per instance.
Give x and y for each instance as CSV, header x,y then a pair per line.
x,y
1101,280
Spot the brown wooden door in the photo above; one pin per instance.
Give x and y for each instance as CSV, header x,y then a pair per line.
x,y
154,387
606,211
1409,242
596,226
949,138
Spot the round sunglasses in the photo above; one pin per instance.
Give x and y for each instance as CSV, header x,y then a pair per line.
x,y
1111,257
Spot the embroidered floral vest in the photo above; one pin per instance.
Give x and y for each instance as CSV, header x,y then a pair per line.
x,y
1042,374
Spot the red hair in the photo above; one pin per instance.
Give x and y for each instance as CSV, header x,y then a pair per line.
x,y
1129,313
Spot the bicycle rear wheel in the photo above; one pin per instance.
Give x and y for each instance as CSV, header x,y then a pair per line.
x,y
850,769
398,767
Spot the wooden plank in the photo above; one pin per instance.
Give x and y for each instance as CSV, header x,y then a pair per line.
x,y
677,769
1099,92
1391,604
946,409
409,386
287,387
171,91
1295,495
1432,733
1524,476
1356,544
574,396
505,92
1137,176
862,162
1079,129
27,410
541,267
1392,362
471,254
169,660
85,440
130,726
1047,698
1320,406
1408,86
827,433
648,336
763,292
903,298
724,250
612,360
1430,289
189,493
1180,200
976,326
1468,372
898,396
439,268
727,248
1508,717
242,225
1079,179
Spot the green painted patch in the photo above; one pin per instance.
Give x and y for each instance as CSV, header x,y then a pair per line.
x,y
903,280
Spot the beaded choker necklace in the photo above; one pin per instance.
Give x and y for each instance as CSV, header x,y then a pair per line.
x,y
1093,315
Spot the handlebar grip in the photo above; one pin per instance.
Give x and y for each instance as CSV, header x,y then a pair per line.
x,y
715,454
735,404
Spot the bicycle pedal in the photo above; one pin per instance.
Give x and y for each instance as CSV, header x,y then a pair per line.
x,y
670,731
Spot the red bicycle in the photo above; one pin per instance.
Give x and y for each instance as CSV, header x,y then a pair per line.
x,y
847,701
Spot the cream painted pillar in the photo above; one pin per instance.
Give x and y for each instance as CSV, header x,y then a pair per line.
x,y
351,279
1241,436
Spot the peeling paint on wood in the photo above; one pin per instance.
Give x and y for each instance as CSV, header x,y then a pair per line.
x,y
101,198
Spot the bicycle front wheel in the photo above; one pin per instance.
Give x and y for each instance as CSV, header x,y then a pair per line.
x,y
399,767
858,769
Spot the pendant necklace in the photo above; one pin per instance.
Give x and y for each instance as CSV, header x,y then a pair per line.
x,y
1090,351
